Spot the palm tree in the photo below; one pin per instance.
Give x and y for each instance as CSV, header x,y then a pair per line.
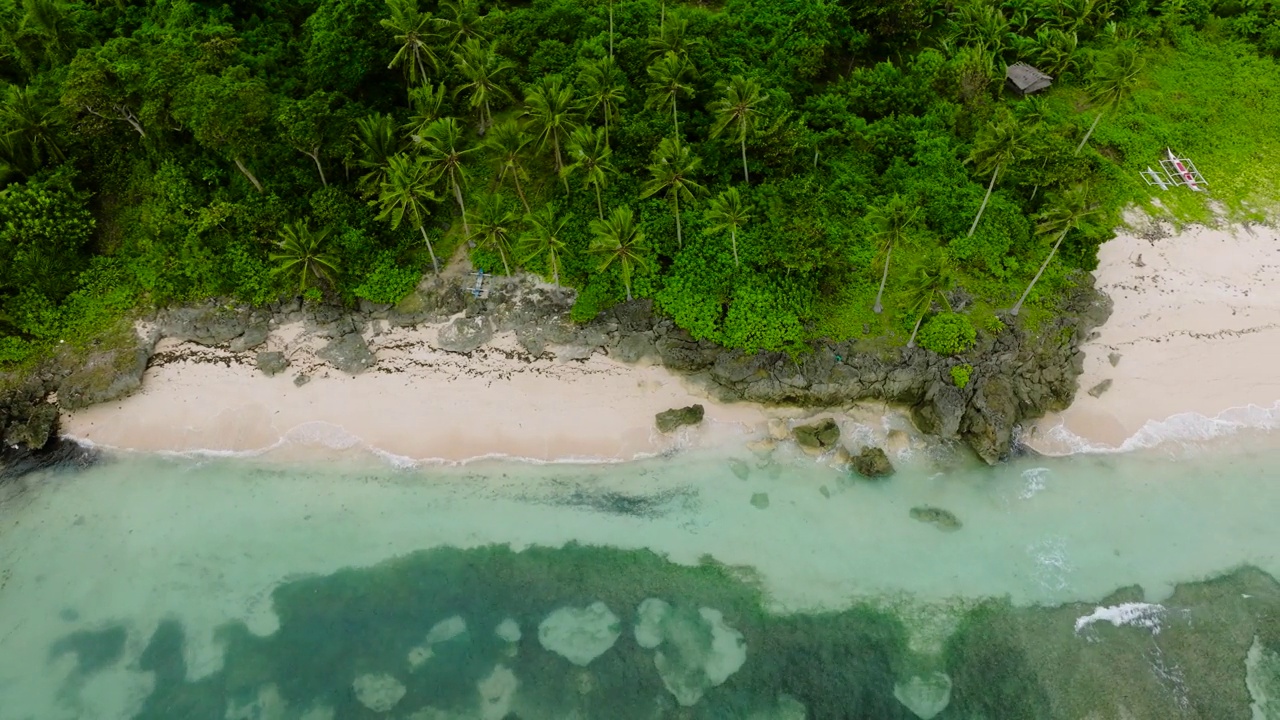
x,y
550,107
932,280
1001,144
726,211
672,38
31,129
375,140
890,223
427,103
544,237
672,169
739,106
412,30
618,239
444,154
507,141
603,87
1061,218
405,192
301,253
590,153
980,24
461,21
480,65
670,78
495,226
1114,81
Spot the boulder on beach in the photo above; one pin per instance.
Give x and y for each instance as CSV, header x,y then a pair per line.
x,y
379,693
822,435
349,353
580,635
939,518
465,334
872,462
669,420
272,363
695,650
925,697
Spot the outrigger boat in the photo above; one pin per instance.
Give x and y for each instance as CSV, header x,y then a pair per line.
x,y
1176,172
1189,176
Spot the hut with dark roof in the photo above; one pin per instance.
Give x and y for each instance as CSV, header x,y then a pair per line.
x,y
1024,79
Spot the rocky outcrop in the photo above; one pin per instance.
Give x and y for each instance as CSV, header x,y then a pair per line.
x,y
272,363
349,353
822,435
872,462
669,420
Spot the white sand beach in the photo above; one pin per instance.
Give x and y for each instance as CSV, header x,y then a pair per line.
x,y
417,402
1189,350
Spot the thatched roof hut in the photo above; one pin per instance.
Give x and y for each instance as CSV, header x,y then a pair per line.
x,y
1024,79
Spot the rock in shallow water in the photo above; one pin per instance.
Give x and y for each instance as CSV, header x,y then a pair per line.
x,y
939,518
821,435
872,462
580,635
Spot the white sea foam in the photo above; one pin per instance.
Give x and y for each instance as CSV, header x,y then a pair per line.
x,y
1033,481
1147,615
1053,566
1184,429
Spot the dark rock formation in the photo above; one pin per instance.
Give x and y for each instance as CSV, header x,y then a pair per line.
x,y
872,463
939,518
822,435
465,334
272,363
669,420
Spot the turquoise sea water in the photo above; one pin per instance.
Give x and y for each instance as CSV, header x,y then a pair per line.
x,y
704,584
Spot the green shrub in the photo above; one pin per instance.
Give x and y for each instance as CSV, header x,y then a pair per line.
x,y
960,375
387,282
948,333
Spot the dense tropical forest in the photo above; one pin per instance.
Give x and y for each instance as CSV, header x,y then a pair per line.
x,y
767,171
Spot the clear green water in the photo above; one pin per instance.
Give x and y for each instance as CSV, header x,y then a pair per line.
x,y
1122,586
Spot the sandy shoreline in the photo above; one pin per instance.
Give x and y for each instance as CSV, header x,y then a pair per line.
x,y
1187,354
1189,350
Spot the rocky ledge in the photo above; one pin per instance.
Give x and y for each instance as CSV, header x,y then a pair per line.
x,y
1016,375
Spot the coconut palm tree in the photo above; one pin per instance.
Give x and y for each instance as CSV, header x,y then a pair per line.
x,y
673,168
890,224
1001,144
301,252
1063,216
445,156
549,105
480,64
1113,82
672,37
603,86
31,128
930,282
496,225
545,236
589,153
460,21
980,23
738,107
619,240
670,77
404,193
427,106
375,140
411,28
727,211
507,141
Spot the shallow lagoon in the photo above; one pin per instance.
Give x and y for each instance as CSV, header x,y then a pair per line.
x,y
1116,586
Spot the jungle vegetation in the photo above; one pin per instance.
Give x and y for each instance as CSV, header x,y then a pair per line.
x,y
767,171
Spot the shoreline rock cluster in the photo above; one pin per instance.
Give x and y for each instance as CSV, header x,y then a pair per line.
x,y
1016,375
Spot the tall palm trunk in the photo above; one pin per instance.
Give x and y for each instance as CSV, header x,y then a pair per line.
x,y
746,178
599,204
883,279
675,118
315,157
991,186
435,264
916,329
610,40
457,195
733,237
1018,306
1085,139
245,170
515,175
